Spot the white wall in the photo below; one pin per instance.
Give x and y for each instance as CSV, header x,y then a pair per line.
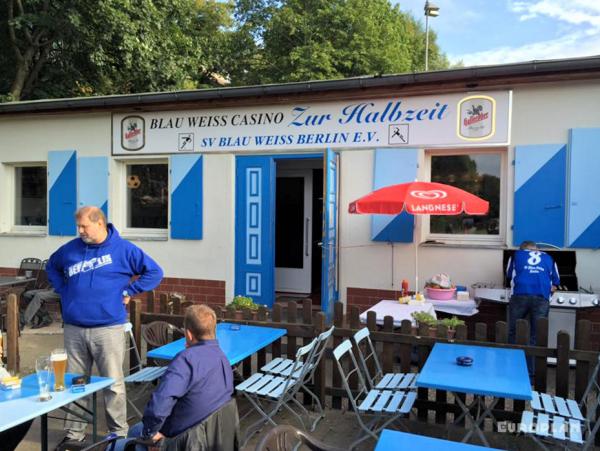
x,y
28,139
540,115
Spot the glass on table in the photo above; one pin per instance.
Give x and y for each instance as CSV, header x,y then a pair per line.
x,y
43,369
59,366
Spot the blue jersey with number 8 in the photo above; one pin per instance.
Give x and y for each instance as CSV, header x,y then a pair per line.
x,y
532,272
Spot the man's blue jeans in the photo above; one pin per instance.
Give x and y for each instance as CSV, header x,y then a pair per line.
x,y
521,306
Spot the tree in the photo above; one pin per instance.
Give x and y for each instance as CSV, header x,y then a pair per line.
x,y
311,39
68,48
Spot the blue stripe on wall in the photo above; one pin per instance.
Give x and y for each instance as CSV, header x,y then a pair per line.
x,y
62,192
92,182
584,186
540,196
186,197
393,166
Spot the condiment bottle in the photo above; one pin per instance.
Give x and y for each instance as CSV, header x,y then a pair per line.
x,y
404,287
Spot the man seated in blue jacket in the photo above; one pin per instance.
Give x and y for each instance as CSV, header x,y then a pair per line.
x,y
533,276
198,382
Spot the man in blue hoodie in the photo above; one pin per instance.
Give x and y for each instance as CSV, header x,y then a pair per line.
x,y
533,276
94,275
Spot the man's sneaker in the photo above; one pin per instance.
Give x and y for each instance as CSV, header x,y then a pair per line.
x,y
69,444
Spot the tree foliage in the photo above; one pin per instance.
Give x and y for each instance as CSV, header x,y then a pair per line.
x,y
66,48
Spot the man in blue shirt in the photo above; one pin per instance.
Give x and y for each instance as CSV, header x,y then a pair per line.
x,y
533,277
198,382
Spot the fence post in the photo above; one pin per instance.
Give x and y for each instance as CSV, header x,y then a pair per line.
x,y
562,364
582,368
150,297
522,338
336,380
164,303
321,371
540,373
12,333
135,317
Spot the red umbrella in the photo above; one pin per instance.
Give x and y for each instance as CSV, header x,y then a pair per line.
x,y
420,198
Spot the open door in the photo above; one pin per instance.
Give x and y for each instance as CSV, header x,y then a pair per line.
x,y
255,228
329,278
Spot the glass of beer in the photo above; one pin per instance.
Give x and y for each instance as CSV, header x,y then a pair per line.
x,y
59,365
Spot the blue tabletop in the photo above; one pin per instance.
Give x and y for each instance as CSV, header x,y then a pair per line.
x,y
23,404
395,440
496,372
236,344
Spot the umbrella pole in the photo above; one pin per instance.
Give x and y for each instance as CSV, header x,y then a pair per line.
x,y
415,241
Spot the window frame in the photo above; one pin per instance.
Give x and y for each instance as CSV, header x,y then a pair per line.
x,y
11,185
121,216
470,239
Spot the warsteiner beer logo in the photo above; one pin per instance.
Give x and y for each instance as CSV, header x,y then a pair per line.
x,y
476,118
133,133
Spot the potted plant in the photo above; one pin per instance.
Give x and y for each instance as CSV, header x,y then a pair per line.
x,y
428,319
452,324
240,303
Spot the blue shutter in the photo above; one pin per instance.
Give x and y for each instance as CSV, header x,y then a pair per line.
x,y
393,166
92,182
186,197
255,228
62,192
584,186
540,197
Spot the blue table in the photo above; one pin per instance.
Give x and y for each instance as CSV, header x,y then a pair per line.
x,y
236,344
495,372
395,440
23,404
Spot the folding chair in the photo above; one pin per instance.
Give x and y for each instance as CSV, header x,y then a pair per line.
x,y
141,379
268,393
283,367
158,333
385,406
556,419
376,379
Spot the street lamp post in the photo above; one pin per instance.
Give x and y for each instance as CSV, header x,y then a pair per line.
x,y
431,10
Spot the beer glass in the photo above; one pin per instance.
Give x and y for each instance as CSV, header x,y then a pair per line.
x,y
43,369
59,365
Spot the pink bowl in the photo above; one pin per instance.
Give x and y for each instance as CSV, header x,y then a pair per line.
x,y
440,294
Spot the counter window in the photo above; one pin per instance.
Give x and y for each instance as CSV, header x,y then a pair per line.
x,y
479,173
147,196
30,196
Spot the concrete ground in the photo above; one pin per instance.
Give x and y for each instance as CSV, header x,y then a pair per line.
x,y
338,428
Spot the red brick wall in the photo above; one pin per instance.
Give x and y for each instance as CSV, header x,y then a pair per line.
x,y
8,271
367,297
197,290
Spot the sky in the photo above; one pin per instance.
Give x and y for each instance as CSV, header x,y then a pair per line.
x,y
484,32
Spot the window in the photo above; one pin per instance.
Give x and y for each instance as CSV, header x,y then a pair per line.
x,y
481,173
30,196
147,187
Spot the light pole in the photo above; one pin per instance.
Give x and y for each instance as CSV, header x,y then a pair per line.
x,y
430,11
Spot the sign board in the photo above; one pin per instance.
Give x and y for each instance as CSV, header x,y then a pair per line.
x,y
450,120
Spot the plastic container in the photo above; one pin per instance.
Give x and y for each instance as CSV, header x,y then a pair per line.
x,y
440,294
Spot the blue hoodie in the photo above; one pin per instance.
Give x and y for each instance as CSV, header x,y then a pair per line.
x,y
91,278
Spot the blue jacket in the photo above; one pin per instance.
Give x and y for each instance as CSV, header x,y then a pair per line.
x,y
91,278
532,273
198,381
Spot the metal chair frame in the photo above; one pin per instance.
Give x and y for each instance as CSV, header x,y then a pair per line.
x,y
283,367
142,378
559,420
385,406
265,390
379,380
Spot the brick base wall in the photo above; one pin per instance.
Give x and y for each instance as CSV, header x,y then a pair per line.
x,y
196,290
8,271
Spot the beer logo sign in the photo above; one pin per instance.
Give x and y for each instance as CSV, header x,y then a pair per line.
x,y
476,118
133,133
